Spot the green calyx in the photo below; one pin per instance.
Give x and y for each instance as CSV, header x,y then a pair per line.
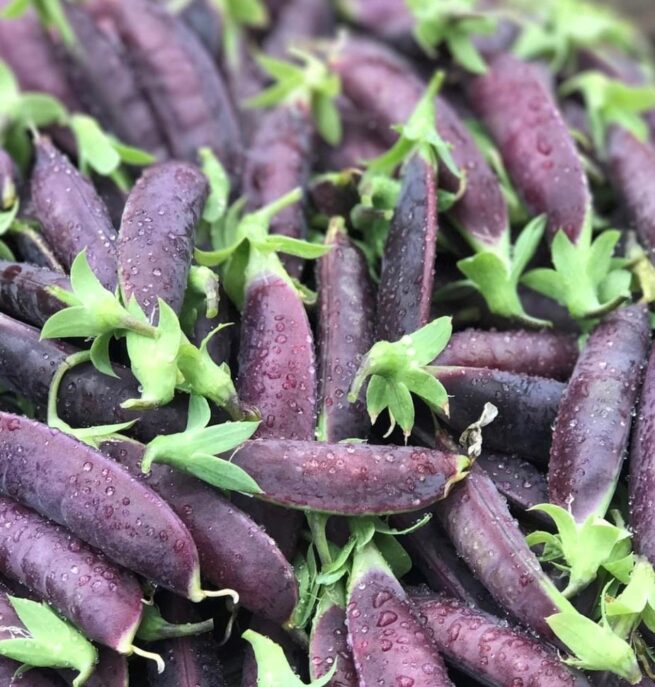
x,y
579,550
196,449
245,249
154,627
586,279
610,101
496,272
418,134
562,27
273,669
219,186
307,81
453,23
91,309
47,641
398,369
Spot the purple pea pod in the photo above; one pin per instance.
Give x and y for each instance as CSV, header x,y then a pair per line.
x,y
31,247
520,482
190,661
183,86
24,292
591,432
86,397
541,354
527,407
345,333
442,568
103,600
631,165
349,479
359,143
203,18
99,502
299,20
490,650
389,643
26,47
220,531
478,522
108,85
156,237
278,161
389,20
73,218
407,274
328,641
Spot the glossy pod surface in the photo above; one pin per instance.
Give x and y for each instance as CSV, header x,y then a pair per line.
x,y
328,642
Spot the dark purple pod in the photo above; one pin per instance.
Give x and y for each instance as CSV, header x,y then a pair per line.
x,y
98,501
537,148
203,18
190,661
642,468
389,643
389,20
279,160
298,21
33,678
359,143
31,247
591,432
490,650
107,84
328,642
103,600
156,238
443,570
345,324
486,536
110,671
277,366
181,82
384,85
631,165
541,354
86,397
349,479
527,407
520,482
24,292
73,218
234,552
335,197
26,47
407,273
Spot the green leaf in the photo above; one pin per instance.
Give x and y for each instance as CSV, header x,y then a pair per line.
x,y
100,355
38,110
50,642
401,407
154,361
219,185
94,146
131,155
363,530
585,547
594,647
328,119
273,669
154,627
307,576
14,9
430,340
340,564
199,414
431,390
465,53
394,554
279,243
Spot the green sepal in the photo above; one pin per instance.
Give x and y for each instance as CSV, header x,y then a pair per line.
x,y
219,186
579,280
154,627
100,151
204,283
100,355
195,450
567,26
92,310
48,641
610,101
497,277
635,603
14,9
582,548
419,134
594,646
306,572
308,81
154,361
273,669
394,554
398,369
